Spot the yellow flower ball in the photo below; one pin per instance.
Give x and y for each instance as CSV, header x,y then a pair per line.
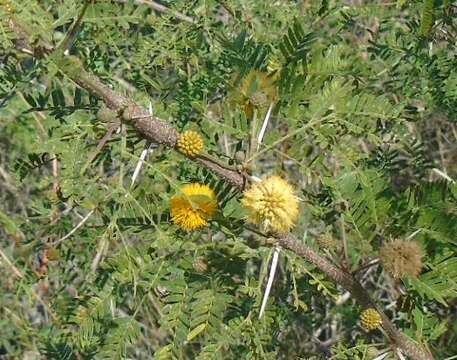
x,y
190,143
370,319
193,207
401,257
272,204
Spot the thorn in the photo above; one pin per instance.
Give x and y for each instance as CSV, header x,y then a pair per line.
x,y
443,175
81,223
147,149
274,264
264,126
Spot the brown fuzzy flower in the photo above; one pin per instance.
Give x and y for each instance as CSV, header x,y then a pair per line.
x,y
370,319
401,257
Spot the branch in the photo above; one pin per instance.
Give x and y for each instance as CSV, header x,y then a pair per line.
x,y
156,130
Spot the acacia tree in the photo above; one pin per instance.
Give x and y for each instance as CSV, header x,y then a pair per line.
x,y
158,161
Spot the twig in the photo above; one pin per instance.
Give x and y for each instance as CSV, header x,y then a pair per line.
x,y
366,266
20,275
345,243
65,45
10,264
100,145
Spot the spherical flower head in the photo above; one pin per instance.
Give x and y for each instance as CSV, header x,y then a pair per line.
x,y
190,143
256,90
193,207
401,257
200,265
327,241
272,204
370,319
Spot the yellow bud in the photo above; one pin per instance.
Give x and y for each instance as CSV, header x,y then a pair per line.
x,y
190,143
370,319
327,241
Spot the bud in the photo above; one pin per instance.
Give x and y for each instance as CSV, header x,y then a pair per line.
x,y
370,319
327,241
190,143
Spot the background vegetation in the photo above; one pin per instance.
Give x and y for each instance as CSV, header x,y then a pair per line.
x,y
364,126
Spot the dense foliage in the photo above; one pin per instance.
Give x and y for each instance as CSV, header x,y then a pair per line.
x,y
363,101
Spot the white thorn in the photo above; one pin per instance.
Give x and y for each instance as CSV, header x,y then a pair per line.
x,y
382,356
81,223
400,355
264,126
274,264
255,178
413,234
443,175
144,153
139,164
343,298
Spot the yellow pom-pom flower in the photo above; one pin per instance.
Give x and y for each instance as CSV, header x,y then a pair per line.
x,y
272,204
370,319
193,207
190,143
401,257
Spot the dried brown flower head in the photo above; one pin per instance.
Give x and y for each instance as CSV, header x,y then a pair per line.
x,y
401,257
